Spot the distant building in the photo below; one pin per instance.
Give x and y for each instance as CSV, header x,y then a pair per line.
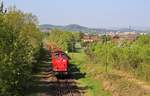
x,y
90,38
124,37
116,39
143,33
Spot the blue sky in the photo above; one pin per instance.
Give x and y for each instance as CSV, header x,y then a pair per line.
x,y
91,13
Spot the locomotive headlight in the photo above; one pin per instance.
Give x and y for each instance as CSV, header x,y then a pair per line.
x,y
64,60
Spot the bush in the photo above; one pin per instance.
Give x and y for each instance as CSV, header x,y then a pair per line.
x,y
61,39
133,57
19,41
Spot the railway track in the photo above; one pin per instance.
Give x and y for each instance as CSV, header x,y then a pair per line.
x,y
64,87
48,84
69,89
58,86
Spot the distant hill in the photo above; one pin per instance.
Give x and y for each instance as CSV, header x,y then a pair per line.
x,y
74,28
78,28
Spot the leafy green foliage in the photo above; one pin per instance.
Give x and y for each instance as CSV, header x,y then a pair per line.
x,y
105,38
61,39
20,40
133,57
77,36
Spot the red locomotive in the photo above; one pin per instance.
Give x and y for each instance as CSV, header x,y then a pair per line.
x,y
60,62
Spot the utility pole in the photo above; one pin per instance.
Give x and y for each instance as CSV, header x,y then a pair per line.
x,y
106,61
72,48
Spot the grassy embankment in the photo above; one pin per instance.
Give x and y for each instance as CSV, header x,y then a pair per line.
x,y
113,82
94,85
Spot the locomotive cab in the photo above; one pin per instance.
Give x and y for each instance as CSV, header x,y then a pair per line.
x,y
60,62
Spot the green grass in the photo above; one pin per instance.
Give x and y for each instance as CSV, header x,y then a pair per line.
x,y
97,79
93,85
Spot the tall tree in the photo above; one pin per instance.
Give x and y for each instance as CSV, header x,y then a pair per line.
x,y
19,43
1,7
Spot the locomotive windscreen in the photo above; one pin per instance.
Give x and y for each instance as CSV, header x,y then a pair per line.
x,y
56,54
64,56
